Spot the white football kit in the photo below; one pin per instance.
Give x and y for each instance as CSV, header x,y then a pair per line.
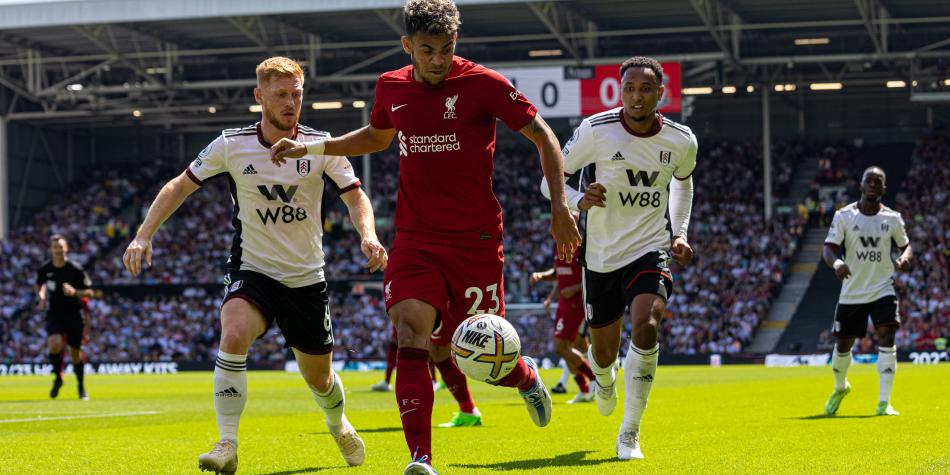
x,y
867,251
277,222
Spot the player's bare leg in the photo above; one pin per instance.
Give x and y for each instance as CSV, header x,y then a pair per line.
x,y
327,390
457,384
241,323
578,367
886,368
414,321
639,369
602,355
54,344
840,362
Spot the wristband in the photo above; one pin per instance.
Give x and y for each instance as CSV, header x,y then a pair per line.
x,y
837,264
316,148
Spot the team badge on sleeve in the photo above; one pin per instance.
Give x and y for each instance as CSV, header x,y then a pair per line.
x,y
303,167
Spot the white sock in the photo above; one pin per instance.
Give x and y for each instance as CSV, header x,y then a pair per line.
x,y
564,374
332,402
639,369
230,393
839,365
886,367
605,376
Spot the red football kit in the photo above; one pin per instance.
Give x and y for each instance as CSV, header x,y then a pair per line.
x,y
570,311
447,250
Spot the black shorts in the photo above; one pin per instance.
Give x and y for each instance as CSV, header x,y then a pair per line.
x,y
851,320
302,313
607,295
70,325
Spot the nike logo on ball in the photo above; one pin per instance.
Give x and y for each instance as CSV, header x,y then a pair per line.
x,y
394,107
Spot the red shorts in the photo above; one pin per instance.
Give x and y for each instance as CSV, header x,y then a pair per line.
x,y
459,282
570,316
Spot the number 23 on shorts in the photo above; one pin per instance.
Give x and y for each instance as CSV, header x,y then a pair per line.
x,y
475,295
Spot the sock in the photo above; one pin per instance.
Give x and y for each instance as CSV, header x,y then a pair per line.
x,y
414,397
639,368
520,377
79,369
230,392
605,377
56,359
457,384
581,381
839,364
390,361
886,367
566,373
332,402
584,369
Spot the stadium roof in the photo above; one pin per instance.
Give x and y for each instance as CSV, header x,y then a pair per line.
x,y
97,61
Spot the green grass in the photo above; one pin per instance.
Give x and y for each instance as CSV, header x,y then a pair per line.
x,y
738,419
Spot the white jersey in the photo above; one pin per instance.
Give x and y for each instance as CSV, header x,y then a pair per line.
x,y
867,251
277,222
636,169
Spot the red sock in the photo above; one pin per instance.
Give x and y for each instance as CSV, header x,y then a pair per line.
x,y
414,398
432,372
390,360
584,369
581,381
457,384
520,377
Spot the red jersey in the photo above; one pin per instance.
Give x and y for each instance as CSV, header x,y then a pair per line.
x,y
446,136
568,274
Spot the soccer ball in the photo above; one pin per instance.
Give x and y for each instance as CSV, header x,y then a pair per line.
x,y
486,347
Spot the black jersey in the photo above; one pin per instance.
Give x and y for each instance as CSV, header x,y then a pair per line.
x,y
53,278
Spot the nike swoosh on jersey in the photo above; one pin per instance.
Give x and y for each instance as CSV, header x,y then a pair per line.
x,y
394,107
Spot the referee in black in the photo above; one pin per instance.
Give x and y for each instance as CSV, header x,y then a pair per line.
x,y
60,284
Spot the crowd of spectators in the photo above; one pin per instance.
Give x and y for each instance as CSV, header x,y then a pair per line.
x,y
90,219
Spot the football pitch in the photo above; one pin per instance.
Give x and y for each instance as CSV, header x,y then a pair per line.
x,y
733,419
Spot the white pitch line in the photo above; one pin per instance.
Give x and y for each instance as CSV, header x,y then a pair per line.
x,y
86,416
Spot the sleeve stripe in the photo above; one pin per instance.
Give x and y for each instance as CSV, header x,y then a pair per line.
x,y
193,177
356,184
685,177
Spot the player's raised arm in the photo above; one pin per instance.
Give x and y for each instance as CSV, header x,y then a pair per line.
x,y
563,227
367,139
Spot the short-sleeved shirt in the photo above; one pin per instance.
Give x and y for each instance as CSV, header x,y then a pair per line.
x,y
277,223
636,169
53,278
867,251
446,140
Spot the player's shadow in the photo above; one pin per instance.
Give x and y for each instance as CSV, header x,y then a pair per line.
x,y
367,431
299,470
826,416
573,459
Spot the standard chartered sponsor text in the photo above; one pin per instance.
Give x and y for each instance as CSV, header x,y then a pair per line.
x,y
433,143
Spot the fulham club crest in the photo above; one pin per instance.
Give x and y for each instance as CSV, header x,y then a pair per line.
x,y
303,167
665,157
